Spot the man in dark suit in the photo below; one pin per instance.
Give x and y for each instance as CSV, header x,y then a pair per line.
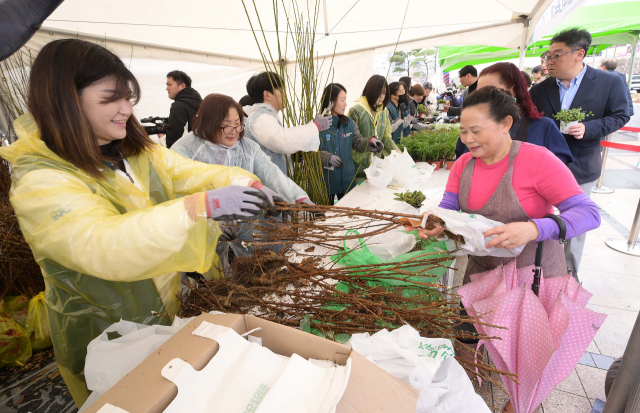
x,y
572,84
610,66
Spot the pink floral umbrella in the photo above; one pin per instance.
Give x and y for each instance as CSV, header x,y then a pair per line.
x,y
546,334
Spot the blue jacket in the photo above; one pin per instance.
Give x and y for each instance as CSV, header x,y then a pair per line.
x,y
394,114
339,140
603,94
405,110
624,79
541,132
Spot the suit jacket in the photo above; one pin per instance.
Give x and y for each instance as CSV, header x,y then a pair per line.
x,y
600,92
624,79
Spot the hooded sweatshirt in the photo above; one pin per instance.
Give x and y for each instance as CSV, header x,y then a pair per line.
x,y
183,110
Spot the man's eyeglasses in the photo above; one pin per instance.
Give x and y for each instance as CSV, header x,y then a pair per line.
x,y
555,57
230,129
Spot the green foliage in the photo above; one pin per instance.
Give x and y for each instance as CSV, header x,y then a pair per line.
x,y
432,145
422,109
417,58
571,115
415,198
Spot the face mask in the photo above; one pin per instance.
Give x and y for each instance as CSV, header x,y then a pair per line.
x,y
402,99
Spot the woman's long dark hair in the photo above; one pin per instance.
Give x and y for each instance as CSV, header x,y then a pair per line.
x,y
511,77
374,88
330,95
61,71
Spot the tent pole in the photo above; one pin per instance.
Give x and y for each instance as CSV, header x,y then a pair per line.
x,y
523,44
326,23
438,69
633,60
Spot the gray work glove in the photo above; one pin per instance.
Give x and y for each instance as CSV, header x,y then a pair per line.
x,y
395,125
335,161
305,201
375,145
323,122
407,121
414,120
273,197
234,202
419,126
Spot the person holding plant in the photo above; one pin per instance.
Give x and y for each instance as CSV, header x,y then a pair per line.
x,y
576,85
339,170
513,182
396,118
371,116
263,126
532,127
111,217
416,97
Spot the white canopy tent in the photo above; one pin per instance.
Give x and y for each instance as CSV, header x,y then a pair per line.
x,y
217,35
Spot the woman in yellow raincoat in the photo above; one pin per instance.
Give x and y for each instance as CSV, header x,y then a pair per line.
x,y
371,116
112,218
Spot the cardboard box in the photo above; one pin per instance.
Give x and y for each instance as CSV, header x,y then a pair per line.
x,y
370,388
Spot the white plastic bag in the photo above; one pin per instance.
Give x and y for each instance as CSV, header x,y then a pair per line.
x,y
398,167
471,227
405,170
427,364
243,376
376,173
391,244
108,361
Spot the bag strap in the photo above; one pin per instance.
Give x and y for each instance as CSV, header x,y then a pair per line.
x,y
363,244
535,287
561,224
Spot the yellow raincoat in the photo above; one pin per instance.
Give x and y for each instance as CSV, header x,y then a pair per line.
x,y
371,124
107,249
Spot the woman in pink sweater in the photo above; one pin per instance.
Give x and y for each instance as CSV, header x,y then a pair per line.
x,y
513,182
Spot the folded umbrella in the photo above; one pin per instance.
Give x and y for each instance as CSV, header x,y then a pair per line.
x,y
546,333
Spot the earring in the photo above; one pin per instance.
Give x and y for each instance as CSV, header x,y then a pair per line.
x,y
515,99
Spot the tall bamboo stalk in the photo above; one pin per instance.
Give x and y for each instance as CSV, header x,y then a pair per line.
x,y
302,85
14,81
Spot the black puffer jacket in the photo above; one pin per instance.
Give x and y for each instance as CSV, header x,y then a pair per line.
x,y
182,112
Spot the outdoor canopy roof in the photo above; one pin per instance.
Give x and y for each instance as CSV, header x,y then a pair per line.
x,y
218,33
609,22
221,28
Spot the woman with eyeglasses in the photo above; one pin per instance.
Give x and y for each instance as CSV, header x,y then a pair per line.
x,y
532,127
217,138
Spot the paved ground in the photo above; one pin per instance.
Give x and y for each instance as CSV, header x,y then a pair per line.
x,y
611,276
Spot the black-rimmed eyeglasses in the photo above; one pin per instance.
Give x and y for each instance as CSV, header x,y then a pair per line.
x,y
556,56
230,129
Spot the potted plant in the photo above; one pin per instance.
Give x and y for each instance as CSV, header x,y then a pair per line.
x,y
435,153
441,103
422,111
570,117
450,152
